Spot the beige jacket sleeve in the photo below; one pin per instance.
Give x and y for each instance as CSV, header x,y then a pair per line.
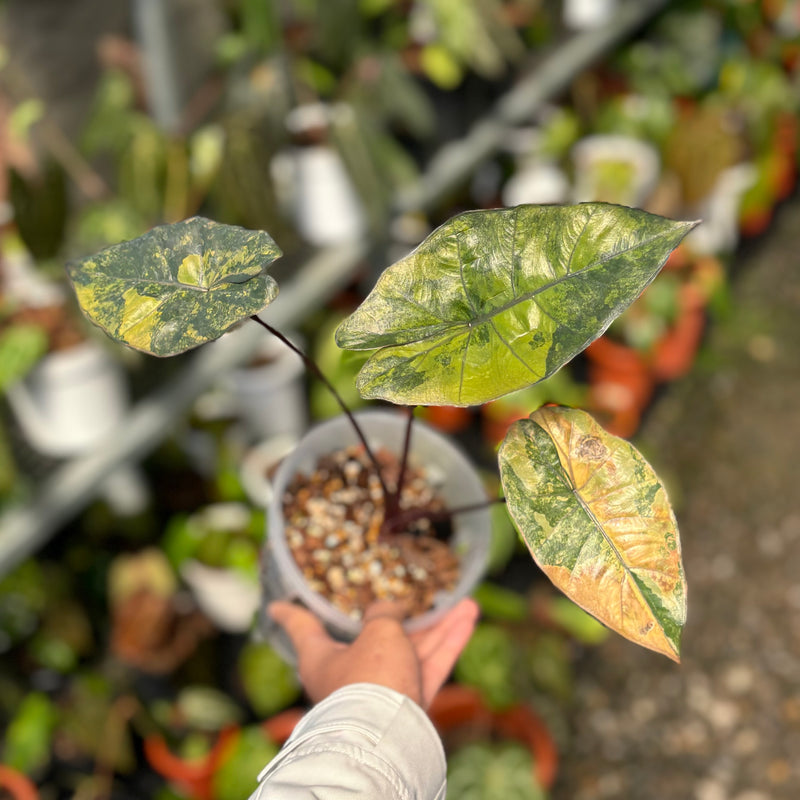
x,y
364,741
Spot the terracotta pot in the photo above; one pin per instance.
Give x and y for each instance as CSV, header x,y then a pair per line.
x,y
17,785
457,705
786,134
194,776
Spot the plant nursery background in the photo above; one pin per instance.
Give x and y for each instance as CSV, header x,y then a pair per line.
x,y
133,489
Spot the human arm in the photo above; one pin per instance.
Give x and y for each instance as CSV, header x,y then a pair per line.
x,y
368,737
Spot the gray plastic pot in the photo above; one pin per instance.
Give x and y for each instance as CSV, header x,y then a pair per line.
x,y
460,485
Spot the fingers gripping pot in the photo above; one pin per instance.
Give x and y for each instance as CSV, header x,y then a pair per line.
x,y
282,579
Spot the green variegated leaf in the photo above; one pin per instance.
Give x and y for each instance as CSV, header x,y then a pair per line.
x,y
178,285
598,522
494,301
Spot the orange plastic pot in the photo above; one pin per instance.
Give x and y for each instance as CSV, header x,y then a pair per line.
x,y
674,353
456,705
782,175
678,259
450,419
621,384
495,423
192,776
16,785
755,221
787,130
279,727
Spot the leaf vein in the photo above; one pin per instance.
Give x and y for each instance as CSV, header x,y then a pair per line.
x,y
570,276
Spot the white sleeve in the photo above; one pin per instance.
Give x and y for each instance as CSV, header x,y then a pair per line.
x,y
363,741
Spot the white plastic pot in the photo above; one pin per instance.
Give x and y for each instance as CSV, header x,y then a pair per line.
x,y
581,15
327,209
591,152
313,182
258,465
70,401
282,578
269,393
227,596
719,232
538,183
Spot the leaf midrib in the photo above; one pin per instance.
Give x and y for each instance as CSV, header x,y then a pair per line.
x,y
483,318
571,485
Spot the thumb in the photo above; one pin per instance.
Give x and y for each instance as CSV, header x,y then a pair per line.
x,y
390,609
299,623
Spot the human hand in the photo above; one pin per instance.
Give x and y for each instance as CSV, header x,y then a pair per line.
x,y
414,664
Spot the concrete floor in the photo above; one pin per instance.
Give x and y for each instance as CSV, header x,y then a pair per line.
x,y
725,724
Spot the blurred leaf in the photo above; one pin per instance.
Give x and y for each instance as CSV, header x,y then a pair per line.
x,y
488,663
260,24
576,622
27,745
40,209
224,534
52,652
550,666
21,347
23,598
237,778
102,224
504,538
24,116
598,522
501,604
270,684
91,727
486,771
339,366
494,301
440,66
10,484
177,286
207,709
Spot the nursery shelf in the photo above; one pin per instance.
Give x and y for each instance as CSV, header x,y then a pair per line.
x,y
75,483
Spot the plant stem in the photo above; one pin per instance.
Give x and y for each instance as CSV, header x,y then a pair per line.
x,y
311,365
413,514
392,502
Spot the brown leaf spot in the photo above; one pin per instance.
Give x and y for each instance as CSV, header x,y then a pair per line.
x,y
646,628
590,448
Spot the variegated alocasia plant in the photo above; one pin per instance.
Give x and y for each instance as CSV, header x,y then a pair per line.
x,y
491,302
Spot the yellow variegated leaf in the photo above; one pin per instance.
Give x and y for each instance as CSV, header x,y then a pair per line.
x,y
598,522
495,301
178,285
